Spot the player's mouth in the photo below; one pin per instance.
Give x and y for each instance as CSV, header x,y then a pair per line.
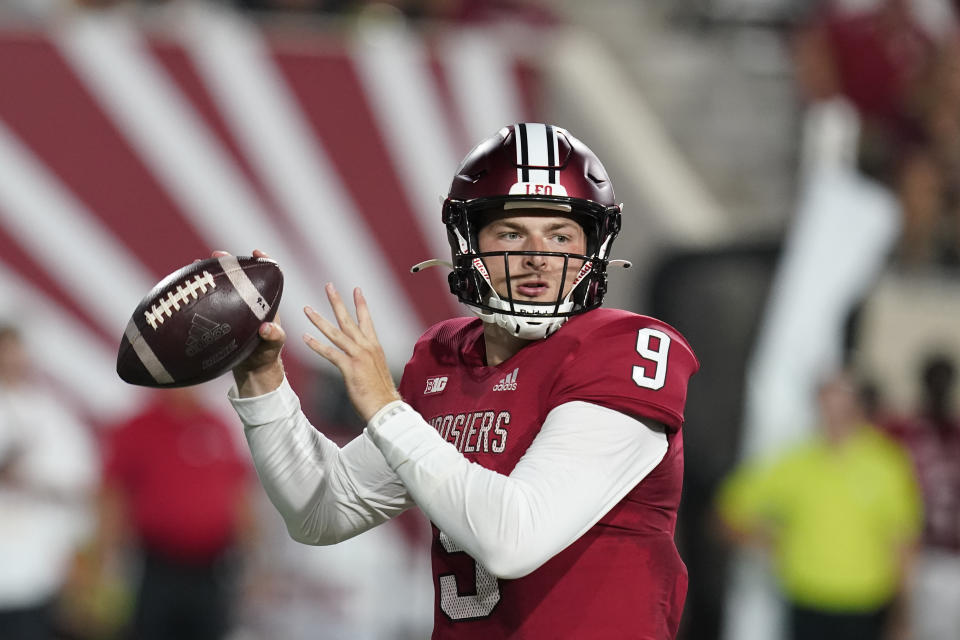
x,y
532,289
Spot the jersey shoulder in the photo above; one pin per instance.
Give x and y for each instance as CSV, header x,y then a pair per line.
x,y
448,339
625,361
614,321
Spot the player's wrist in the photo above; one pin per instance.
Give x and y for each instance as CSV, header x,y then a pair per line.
x,y
254,381
387,411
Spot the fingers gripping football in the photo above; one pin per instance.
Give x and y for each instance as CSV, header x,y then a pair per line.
x,y
272,335
262,370
355,350
267,352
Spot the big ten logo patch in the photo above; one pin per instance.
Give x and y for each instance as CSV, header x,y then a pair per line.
x,y
436,384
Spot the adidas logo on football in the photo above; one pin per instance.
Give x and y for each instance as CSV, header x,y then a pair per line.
x,y
203,333
508,383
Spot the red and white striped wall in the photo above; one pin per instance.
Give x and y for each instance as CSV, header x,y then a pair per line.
x,y
127,152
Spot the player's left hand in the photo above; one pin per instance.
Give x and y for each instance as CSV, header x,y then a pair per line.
x,y
356,352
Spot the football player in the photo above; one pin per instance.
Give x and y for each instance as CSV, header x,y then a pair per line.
x,y
541,438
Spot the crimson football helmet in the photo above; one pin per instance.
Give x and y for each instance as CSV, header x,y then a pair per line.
x,y
530,165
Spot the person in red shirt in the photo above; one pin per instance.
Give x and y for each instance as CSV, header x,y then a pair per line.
x,y
541,438
176,481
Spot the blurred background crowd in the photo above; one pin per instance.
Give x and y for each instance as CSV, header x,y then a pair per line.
x,y
791,177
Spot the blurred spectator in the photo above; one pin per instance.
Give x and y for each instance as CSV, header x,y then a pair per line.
x,y
932,436
889,68
176,493
531,12
48,471
930,184
839,513
905,86
320,6
877,59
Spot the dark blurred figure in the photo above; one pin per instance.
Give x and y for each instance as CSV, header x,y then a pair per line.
x,y
317,6
930,178
905,86
176,493
48,474
878,59
839,514
530,12
932,436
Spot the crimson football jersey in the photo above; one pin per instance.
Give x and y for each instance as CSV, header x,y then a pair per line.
x,y
623,578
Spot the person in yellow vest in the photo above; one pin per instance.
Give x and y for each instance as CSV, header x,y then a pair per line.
x,y
840,514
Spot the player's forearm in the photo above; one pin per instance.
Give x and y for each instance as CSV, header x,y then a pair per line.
x,y
324,494
491,517
560,488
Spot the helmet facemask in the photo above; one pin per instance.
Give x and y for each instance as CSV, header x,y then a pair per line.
x,y
583,278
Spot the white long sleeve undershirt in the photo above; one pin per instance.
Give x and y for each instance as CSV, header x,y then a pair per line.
x,y
583,461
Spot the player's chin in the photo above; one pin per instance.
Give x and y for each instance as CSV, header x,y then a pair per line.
x,y
544,295
540,298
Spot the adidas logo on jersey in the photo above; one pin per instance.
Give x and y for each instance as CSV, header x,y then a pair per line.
x,y
508,383
203,332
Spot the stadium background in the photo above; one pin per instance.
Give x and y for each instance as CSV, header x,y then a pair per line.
x,y
137,137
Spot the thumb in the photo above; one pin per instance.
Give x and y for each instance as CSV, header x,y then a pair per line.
x,y
272,331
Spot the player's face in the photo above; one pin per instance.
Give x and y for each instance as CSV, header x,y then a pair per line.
x,y
532,278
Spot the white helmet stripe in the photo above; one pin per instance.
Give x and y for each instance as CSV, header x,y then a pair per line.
x,y
520,133
537,146
551,144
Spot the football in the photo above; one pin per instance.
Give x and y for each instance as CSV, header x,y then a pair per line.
x,y
199,322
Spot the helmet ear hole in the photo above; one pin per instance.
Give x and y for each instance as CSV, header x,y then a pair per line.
x,y
452,212
457,281
612,224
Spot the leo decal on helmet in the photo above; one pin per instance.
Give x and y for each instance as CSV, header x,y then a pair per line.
x,y
530,165
536,162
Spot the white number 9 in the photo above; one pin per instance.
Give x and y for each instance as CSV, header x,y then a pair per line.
x,y
657,356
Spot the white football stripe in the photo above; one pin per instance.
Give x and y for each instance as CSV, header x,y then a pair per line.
x,y
480,72
149,359
278,141
393,67
66,351
62,235
241,282
112,58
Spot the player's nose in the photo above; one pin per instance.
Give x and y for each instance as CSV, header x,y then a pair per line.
x,y
536,262
535,243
